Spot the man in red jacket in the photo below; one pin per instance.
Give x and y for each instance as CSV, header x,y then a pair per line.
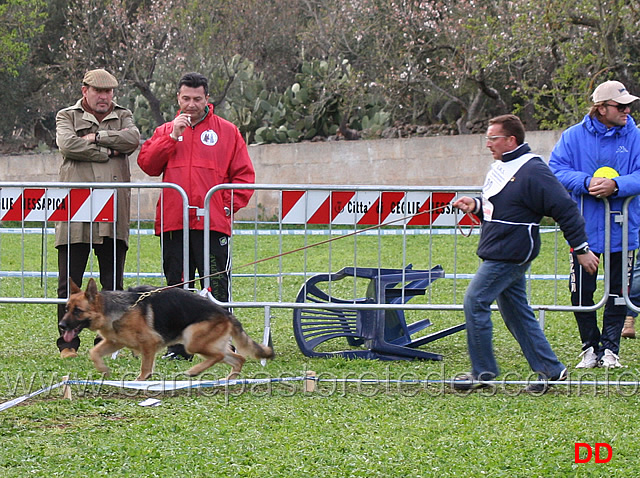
x,y
197,151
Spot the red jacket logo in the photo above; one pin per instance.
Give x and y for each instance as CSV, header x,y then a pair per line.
x,y
590,453
209,137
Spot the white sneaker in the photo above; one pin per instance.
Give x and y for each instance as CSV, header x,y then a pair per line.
x,y
610,360
589,359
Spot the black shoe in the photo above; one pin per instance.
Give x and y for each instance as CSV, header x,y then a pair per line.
x,y
467,381
542,387
176,356
177,353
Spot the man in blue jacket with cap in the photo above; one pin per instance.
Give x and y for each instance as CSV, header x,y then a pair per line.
x,y
595,159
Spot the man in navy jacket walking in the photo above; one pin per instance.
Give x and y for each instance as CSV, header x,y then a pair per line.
x,y
519,191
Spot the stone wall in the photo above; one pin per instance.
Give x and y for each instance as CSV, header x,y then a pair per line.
x,y
426,161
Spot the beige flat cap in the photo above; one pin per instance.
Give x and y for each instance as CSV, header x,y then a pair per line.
x,y
100,79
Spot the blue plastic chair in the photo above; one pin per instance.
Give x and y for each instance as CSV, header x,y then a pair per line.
x,y
380,334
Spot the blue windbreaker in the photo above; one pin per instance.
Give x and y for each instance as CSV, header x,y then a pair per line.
x,y
583,149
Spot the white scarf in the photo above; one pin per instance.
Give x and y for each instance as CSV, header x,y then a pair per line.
x,y
497,178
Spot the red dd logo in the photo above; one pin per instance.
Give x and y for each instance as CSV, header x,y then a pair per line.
x,y
590,453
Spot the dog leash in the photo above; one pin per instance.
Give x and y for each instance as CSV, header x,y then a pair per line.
x,y
474,222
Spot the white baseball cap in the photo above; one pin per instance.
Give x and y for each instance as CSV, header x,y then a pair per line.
x,y
614,91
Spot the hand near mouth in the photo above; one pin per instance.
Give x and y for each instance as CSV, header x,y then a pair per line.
x,y
180,123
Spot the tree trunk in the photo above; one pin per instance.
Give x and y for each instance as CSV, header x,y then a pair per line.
x,y
154,102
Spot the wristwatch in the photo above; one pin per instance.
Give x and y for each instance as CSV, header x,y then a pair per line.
x,y
97,137
582,251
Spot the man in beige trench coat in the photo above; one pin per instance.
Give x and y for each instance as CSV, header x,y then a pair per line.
x,y
95,137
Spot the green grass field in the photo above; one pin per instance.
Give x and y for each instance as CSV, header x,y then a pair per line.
x,y
389,429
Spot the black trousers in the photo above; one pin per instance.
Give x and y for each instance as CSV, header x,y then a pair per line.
x,y
583,286
72,262
218,257
218,264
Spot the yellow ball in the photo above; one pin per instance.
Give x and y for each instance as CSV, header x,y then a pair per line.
x,y
606,172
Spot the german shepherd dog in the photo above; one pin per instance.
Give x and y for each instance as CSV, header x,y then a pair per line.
x,y
148,324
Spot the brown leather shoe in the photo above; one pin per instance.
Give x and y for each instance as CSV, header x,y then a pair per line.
x,y
629,330
68,353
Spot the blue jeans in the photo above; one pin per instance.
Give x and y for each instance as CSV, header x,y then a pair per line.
x,y
505,283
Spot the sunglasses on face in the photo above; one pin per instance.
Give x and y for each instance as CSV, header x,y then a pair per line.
x,y
621,108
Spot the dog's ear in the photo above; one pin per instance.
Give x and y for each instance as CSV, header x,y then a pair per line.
x,y
92,290
73,288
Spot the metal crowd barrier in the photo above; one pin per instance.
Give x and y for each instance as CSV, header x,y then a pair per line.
x,y
289,233
625,250
386,240
29,210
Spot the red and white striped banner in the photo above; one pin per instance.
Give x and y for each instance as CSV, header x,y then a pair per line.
x,y
56,204
371,208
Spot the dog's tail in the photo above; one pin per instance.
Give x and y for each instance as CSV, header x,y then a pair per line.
x,y
246,346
